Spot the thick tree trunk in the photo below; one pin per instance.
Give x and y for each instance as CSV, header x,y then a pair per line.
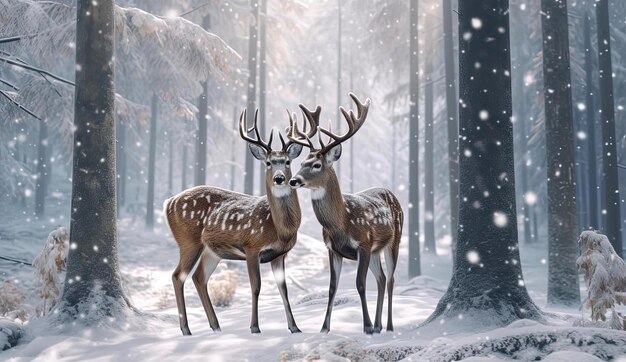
x,y
453,123
487,287
248,185
560,157
430,246
43,168
151,164
262,83
413,221
120,155
93,291
592,171
612,224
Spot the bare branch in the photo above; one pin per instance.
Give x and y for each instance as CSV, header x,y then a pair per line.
x,y
34,69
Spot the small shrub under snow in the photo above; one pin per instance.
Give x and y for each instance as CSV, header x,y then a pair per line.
x,y
12,302
50,269
222,287
605,277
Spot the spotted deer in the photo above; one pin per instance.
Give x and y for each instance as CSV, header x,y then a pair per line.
x,y
357,226
211,224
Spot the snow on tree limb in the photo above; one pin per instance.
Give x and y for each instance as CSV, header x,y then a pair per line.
x,y
187,44
605,277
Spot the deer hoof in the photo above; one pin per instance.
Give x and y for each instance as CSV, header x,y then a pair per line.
x,y
217,329
325,330
186,331
295,329
255,329
377,329
368,330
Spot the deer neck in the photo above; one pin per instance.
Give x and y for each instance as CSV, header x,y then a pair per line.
x,y
285,211
328,204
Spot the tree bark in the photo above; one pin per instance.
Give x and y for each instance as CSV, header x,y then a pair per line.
x,y
592,171
262,82
430,246
120,155
453,123
248,185
339,81
233,157
201,138
183,180
151,163
43,169
560,157
487,287
93,290
170,164
413,220
612,224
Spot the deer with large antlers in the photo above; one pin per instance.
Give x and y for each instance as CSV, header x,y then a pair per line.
x,y
358,226
211,224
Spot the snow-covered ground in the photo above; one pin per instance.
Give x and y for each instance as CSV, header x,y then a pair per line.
x,y
148,259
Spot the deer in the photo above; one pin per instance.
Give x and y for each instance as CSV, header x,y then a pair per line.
x,y
210,224
358,226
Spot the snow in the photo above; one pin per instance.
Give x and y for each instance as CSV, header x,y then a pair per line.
x,y
147,261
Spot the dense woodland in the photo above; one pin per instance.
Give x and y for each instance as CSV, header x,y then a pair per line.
x,y
497,124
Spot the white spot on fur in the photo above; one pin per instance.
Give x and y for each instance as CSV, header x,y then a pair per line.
x,y
354,244
184,213
194,202
318,193
185,205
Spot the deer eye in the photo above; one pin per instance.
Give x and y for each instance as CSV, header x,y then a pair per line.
x,y
317,166
268,163
287,163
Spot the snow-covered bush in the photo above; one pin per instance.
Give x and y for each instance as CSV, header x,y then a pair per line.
x,y
12,302
222,287
50,269
605,277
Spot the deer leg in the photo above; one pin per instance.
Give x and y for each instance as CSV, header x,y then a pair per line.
x,y
208,263
391,260
361,276
377,269
188,259
278,268
335,271
252,260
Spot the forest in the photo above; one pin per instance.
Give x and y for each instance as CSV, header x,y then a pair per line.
x,y
420,180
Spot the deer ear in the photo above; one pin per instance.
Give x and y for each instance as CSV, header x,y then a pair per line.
x,y
333,154
294,150
257,151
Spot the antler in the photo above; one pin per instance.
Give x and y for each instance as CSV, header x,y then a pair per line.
x,y
258,141
302,137
354,124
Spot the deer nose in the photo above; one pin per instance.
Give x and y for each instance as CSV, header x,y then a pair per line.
x,y
279,179
295,182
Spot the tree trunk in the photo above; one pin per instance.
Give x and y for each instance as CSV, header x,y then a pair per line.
x,y
201,138
184,169
487,288
248,185
93,291
43,168
233,157
170,164
413,221
453,123
339,50
262,83
560,155
151,164
612,224
430,246
592,171
120,155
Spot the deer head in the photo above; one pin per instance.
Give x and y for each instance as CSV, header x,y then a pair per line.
x,y
278,163
317,168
